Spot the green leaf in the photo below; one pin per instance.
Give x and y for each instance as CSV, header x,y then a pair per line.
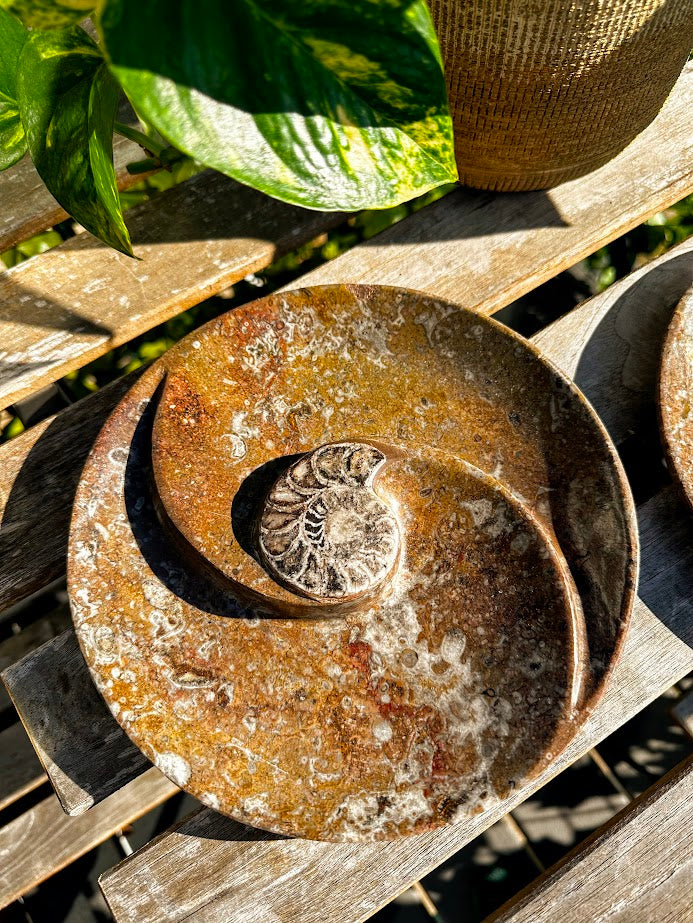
x,y
39,243
49,14
12,140
333,104
68,100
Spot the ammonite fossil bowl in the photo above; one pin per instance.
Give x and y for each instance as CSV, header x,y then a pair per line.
x,y
676,394
352,562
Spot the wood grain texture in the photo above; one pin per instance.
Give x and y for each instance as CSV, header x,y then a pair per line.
x,y
81,299
45,462
639,866
28,207
20,770
31,637
212,869
71,730
479,249
44,840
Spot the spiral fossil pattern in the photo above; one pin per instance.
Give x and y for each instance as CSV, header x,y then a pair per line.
x,y
455,468
324,532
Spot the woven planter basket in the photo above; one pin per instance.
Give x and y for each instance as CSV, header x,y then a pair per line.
x,y
542,91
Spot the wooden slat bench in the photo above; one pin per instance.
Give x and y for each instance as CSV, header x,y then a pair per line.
x,y
43,840
638,867
76,302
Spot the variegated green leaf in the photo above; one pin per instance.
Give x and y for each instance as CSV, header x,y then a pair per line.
x,y
12,140
333,104
68,100
49,14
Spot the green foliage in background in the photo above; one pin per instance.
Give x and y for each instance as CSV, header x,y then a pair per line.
x,y
330,104
49,14
644,243
13,35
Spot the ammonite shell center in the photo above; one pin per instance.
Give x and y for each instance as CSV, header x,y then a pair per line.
x,y
324,532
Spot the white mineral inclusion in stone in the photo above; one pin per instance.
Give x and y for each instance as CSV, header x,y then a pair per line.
x,y
175,767
324,532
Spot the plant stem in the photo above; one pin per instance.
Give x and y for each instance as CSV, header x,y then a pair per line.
x,y
149,144
148,165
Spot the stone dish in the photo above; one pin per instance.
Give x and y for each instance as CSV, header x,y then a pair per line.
x,y
352,562
676,394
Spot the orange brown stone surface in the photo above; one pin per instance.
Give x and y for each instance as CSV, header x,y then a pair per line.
x,y
466,489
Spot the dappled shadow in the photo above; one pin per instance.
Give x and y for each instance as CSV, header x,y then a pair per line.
x,y
35,514
26,355
211,206
23,305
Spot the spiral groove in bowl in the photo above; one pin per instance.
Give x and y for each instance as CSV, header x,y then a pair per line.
x,y
451,669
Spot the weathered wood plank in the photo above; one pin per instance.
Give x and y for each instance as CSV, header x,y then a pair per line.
x,y
80,299
31,637
44,840
639,866
28,207
71,730
479,249
211,869
45,462
20,770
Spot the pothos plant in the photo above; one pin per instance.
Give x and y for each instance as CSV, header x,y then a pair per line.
x,y
329,104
